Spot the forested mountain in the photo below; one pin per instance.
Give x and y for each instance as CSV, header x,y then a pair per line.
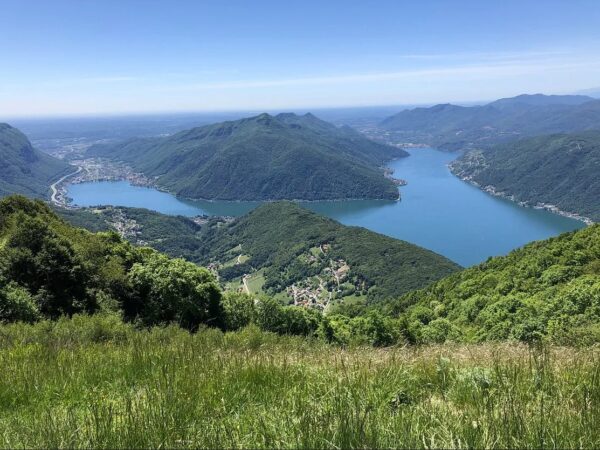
x,y
290,246
263,157
280,245
561,170
547,289
456,127
23,169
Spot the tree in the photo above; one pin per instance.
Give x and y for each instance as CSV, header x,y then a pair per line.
x,y
168,290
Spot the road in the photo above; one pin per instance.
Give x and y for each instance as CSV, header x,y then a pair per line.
x,y
56,183
245,281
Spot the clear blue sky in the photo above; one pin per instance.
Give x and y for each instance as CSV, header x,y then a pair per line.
x,y
106,56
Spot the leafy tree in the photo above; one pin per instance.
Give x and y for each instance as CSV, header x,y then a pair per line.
x,y
238,309
174,290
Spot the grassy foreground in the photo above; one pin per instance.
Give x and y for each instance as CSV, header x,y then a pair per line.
x,y
96,382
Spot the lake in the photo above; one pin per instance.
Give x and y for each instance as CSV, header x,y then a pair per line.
x,y
437,211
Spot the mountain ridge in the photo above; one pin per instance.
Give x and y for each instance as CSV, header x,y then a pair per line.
x,y
263,157
455,127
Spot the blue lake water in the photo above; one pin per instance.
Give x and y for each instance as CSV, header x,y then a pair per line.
x,y
437,211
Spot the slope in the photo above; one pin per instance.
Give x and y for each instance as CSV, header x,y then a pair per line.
x,y
302,254
263,157
455,127
23,169
561,170
547,289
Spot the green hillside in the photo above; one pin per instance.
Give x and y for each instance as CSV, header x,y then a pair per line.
x,y
290,245
548,289
561,170
23,169
454,127
280,245
93,382
263,158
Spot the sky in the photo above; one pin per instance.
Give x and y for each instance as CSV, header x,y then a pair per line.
x,y
75,57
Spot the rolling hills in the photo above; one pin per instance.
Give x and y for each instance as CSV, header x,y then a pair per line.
x,y
561,170
302,255
455,127
285,250
23,169
262,158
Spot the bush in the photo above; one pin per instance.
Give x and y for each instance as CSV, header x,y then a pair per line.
x,y
173,290
238,310
16,304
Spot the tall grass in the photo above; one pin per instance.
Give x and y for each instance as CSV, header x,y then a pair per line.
x,y
96,382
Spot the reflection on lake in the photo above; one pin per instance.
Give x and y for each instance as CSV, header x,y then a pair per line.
x,y
438,211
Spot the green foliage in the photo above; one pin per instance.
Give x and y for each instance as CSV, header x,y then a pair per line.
x,y
263,158
23,169
372,329
51,269
272,316
16,304
173,290
547,290
276,234
561,170
239,310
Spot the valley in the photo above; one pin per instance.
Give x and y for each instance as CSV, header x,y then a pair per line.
x,y
437,210
300,225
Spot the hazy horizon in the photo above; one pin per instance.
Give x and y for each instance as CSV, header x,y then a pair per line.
x,y
68,58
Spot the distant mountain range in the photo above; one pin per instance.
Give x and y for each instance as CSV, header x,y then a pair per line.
x,y
263,158
561,170
454,127
23,169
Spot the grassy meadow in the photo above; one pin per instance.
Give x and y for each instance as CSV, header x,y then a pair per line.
x,y
97,382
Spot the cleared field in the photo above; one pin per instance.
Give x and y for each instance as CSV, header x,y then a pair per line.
x,y
95,382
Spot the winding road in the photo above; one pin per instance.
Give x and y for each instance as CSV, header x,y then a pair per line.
x,y
56,183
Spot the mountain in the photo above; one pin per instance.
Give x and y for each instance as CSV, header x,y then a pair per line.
x,y
525,100
285,248
23,169
279,245
457,127
592,92
561,170
263,158
548,289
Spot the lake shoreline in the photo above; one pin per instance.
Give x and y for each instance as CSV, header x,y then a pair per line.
x,y
438,211
545,206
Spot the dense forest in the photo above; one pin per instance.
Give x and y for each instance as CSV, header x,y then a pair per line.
x,y
263,158
562,170
23,169
453,127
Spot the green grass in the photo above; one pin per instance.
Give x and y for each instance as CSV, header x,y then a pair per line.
x,y
95,382
256,281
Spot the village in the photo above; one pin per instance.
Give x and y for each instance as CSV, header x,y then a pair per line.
x,y
94,170
316,291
